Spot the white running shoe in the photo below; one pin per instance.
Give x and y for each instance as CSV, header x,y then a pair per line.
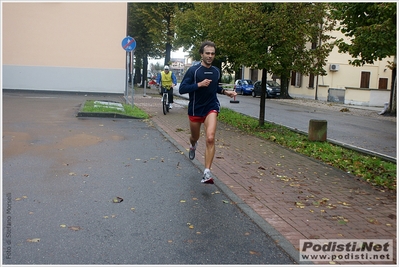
x,y
207,179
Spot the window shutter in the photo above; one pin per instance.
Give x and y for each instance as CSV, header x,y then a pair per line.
x,y
365,79
383,83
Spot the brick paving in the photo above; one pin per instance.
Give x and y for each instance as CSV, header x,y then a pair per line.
x,y
299,197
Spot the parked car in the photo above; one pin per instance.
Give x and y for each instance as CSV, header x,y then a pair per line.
x,y
273,89
243,86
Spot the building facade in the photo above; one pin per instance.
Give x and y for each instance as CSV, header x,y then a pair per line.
x,y
368,85
64,46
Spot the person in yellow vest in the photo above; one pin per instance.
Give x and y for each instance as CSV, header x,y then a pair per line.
x,y
167,80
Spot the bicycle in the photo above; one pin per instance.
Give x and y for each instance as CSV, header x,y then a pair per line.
x,y
165,99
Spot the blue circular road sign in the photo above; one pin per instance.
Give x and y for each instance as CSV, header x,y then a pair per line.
x,y
129,44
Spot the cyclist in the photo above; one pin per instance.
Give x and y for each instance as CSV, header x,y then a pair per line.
x,y
168,80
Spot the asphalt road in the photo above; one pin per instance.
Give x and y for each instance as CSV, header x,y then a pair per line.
x,y
61,175
367,133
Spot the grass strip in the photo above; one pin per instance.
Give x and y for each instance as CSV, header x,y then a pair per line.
x,y
91,106
377,171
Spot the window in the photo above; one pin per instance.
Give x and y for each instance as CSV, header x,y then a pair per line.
x,y
311,81
296,79
254,75
383,83
365,79
293,76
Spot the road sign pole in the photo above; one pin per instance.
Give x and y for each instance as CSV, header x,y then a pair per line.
x,y
128,44
127,77
133,77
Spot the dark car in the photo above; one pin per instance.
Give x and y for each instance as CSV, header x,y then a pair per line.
x,y
273,89
243,86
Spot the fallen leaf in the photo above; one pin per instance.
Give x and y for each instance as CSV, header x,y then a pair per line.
x,y
62,225
117,200
33,240
74,228
225,202
191,227
254,253
373,221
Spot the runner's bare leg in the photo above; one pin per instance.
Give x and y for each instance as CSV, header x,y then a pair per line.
x,y
210,132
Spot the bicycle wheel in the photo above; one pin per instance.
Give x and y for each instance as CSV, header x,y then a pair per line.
x,y
165,106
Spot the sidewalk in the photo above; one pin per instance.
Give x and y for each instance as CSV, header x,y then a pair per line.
x,y
299,197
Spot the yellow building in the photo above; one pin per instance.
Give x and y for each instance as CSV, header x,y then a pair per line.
x,y
64,46
368,85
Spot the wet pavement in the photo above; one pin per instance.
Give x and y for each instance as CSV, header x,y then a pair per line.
x,y
117,191
285,192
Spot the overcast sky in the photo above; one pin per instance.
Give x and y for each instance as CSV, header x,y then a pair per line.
x,y
176,54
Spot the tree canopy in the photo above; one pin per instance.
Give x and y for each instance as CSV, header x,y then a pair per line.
x,y
371,28
274,37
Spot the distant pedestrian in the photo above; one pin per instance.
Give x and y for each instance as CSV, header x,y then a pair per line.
x,y
201,82
167,80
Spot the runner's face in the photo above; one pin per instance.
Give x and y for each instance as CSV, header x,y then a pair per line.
x,y
208,56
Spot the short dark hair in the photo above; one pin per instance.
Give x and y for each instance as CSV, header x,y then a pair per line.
x,y
206,43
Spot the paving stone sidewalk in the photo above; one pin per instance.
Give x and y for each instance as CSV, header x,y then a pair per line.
x,y
299,197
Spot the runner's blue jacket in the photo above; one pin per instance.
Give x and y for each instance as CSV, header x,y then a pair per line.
x,y
201,99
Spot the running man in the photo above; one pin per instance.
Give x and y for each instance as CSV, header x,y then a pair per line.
x,y
201,82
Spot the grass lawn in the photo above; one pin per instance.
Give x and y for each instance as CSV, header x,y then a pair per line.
x,y
93,106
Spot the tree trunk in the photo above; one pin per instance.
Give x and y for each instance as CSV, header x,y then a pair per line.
x,y
392,99
167,53
284,86
137,75
145,68
263,99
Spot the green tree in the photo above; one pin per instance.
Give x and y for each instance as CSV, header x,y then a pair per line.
x,y
153,27
274,37
138,28
371,29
